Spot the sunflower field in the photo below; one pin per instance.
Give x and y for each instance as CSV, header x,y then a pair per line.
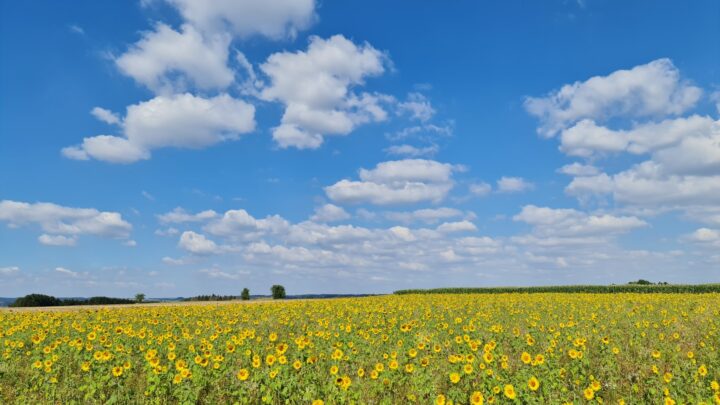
x,y
426,349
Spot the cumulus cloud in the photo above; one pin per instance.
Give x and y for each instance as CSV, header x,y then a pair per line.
x,y
513,185
681,166
578,169
417,106
219,274
105,116
480,189
587,139
9,270
396,182
179,121
653,89
67,272
198,244
179,215
460,226
329,213
243,18
57,240
62,225
426,215
559,239
239,223
168,61
412,151
569,222
316,88
705,236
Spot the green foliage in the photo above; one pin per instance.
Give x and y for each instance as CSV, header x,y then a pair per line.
x,y
627,288
278,292
139,297
40,300
245,294
36,300
212,297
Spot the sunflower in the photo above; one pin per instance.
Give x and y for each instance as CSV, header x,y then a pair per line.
x,y
533,383
454,378
117,371
243,374
477,398
509,391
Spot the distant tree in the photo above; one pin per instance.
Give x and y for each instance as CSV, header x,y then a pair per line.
x,y
245,294
139,297
36,300
278,292
641,282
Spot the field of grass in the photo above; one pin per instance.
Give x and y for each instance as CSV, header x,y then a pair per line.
x,y
442,349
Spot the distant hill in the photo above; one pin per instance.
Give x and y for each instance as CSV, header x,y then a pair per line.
x,y
4,302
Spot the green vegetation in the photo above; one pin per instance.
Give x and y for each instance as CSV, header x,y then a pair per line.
x,y
245,294
139,297
212,297
41,300
627,288
278,292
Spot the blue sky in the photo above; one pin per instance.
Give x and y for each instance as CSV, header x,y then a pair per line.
x,y
184,147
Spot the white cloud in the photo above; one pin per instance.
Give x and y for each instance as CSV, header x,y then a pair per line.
x,y
417,106
427,132
315,87
147,195
513,185
271,18
57,240
167,61
130,243
705,236
569,222
646,90
67,272
179,215
239,223
645,185
587,139
105,116
578,169
167,232
460,226
109,148
69,222
198,244
76,29
412,151
329,213
173,261
396,182
426,215
480,189
180,121
9,270
216,273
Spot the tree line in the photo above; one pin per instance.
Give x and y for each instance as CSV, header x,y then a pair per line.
x,y
42,300
633,287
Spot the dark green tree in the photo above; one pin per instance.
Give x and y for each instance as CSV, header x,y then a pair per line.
x,y
36,300
245,294
278,292
139,297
